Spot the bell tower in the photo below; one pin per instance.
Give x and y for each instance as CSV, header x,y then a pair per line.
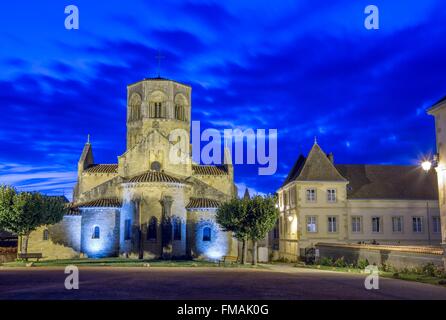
x,y
157,104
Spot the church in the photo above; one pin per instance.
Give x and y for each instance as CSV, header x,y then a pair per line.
x,y
145,205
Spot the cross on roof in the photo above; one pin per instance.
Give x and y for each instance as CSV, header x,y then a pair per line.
x,y
159,57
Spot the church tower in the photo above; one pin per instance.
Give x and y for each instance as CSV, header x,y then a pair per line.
x,y
157,103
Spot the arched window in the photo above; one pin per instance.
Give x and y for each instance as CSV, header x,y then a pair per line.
x,y
46,235
135,107
96,233
179,112
151,229
158,110
177,229
155,166
206,234
180,107
157,104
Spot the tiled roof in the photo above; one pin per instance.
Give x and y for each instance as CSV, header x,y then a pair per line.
x,y
389,182
102,168
202,203
154,176
210,170
99,203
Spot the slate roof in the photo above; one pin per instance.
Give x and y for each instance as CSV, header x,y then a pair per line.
x,y
202,203
98,203
295,171
316,167
367,181
154,176
210,170
389,182
437,104
102,168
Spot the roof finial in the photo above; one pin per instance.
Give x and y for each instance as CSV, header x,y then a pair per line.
x,y
315,140
159,57
88,138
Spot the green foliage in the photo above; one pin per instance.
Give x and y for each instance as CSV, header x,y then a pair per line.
x,y
231,216
6,204
261,216
325,261
362,263
340,263
23,212
432,270
248,218
54,209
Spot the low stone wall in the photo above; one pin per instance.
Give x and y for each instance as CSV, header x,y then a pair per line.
x,y
8,254
397,256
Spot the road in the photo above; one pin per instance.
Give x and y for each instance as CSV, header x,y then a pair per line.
x,y
277,282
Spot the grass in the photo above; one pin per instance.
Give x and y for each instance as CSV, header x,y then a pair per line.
x,y
123,262
407,276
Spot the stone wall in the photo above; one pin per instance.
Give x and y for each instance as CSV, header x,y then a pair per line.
x,y
88,181
107,219
223,183
396,256
221,243
7,254
63,241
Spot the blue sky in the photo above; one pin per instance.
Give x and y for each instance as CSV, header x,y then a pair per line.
x,y
307,68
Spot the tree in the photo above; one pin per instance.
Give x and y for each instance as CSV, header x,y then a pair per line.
x,y
261,217
23,212
231,216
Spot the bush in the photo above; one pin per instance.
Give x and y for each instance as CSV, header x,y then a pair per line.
x,y
432,270
340,263
326,261
362,263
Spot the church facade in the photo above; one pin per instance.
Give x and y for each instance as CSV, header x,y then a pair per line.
x,y
324,202
145,205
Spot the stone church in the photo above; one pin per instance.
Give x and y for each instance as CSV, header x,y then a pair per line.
x,y
145,205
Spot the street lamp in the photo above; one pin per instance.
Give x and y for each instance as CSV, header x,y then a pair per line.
x,y
426,165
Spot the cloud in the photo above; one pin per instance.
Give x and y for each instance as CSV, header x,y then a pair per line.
x,y
49,180
306,69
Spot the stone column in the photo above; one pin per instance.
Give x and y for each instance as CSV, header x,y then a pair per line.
x,y
166,227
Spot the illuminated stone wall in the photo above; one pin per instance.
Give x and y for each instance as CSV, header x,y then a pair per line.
x,y
107,219
64,239
221,243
